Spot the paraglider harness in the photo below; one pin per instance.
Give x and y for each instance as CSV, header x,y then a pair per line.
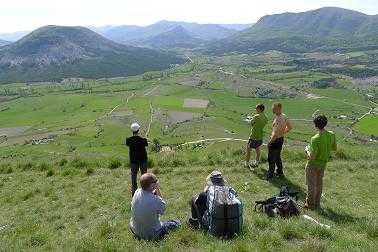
x,y
284,204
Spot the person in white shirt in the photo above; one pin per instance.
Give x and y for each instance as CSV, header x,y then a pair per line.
x,y
146,207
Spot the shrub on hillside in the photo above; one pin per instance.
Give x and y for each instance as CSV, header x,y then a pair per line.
x,y
26,166
79,163
90,171
44,166
50,173
6,168
63,162
156,146
114,164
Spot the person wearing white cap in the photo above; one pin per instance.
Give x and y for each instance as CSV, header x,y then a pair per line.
x,y
137,154
198,202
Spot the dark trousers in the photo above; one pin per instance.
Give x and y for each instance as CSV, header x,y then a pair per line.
x,y
134,173
274,156
198,207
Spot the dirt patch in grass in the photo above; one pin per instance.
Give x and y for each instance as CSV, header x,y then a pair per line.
x,y
179,117
195,103
15,131
313,96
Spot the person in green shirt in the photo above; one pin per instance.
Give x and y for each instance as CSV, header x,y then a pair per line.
x,y
258,123
318,154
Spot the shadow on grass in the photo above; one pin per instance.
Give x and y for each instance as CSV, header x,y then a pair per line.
x,y
279,182
338,216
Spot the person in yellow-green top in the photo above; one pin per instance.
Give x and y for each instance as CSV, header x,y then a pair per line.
x,y
258,123
318,154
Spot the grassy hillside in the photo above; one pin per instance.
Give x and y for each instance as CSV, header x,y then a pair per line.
x,y
64,176
327,29
72,206
53,53
368,125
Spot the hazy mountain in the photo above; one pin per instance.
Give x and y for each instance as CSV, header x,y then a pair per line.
x,y
178,37
4,42
326,28
13,36
236,27
56,52
127,34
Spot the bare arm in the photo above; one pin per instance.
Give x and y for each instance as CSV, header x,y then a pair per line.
x,y
157,190
289,127
311,155
273,137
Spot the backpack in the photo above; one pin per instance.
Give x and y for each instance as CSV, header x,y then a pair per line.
x,y
284,204
225,211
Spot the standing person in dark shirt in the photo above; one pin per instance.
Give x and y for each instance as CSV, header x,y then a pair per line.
x,y
138,155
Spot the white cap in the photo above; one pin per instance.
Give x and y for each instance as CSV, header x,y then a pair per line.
x,y
135,127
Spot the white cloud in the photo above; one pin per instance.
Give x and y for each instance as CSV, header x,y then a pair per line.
x,y
30,14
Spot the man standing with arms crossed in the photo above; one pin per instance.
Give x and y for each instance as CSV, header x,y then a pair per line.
x,y
281,126
258,123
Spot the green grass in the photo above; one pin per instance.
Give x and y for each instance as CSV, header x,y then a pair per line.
x,y
368,125
72,208
74,193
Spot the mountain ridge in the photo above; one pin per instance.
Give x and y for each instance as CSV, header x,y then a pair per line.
x,y
56,52
325,29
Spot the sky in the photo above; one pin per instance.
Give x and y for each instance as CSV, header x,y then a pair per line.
x,y
26,15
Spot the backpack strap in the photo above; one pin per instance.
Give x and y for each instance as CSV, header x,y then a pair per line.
x,y
259,203
225,221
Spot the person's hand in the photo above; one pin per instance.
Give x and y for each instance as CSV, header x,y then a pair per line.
x,y
157,185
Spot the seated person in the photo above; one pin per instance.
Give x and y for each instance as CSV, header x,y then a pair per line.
x,y
199,203
146,207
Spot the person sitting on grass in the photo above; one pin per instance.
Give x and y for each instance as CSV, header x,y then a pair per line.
x,y
318,153
137,154
198,203
146,207
256,138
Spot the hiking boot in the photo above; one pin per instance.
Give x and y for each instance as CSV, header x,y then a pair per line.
x,y
194,223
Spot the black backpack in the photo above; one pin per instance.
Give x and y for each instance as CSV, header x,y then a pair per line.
x,y
284,204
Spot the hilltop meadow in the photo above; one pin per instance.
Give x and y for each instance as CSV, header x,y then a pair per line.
x,y
64,176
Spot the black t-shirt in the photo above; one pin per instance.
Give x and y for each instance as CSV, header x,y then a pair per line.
x,y
137,146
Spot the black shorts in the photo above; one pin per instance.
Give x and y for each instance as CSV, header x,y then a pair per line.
x,y
254,144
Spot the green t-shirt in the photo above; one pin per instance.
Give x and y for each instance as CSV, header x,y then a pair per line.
x,y
322,144
258,123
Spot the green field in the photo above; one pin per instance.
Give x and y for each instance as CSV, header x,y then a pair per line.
x,y
64,177
368,125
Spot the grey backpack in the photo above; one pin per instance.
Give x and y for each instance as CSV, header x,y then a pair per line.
x,y
225,214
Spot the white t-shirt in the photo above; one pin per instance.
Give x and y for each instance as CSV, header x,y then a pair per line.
x,y
146,209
